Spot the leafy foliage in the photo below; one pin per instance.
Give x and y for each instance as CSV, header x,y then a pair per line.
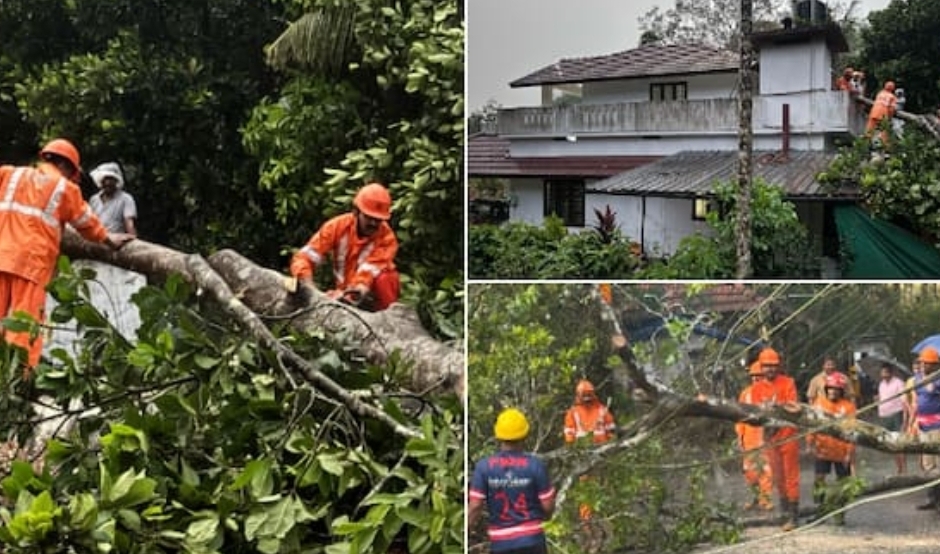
x,y
520,250
898,46
903,188
200,441
779,242
528,346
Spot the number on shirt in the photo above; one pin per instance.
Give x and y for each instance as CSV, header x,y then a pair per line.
x,y
520,506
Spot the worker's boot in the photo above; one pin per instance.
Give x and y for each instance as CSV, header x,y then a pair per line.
x,y
792,514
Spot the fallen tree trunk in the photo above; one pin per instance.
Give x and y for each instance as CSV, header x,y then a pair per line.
x,y
376,336
927,123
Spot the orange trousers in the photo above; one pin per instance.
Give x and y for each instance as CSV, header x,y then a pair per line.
x,y
758,474
22,295
785,466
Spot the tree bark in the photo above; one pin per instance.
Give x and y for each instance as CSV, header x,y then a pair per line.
x,y
928,122
745,142
435,366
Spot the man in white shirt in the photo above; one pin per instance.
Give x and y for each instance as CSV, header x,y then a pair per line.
x,y
115,208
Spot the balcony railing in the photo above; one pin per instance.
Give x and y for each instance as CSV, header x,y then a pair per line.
x,y
810,112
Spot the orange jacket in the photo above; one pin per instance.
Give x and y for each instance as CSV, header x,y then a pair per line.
x,y
886,103
784,392
592,419
752,436
831,448
35,204
355,260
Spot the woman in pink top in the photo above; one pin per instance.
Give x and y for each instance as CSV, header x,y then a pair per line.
x,y
891,408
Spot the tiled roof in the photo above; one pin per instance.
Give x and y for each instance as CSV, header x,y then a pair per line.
x,y
488,156
645,61
694,173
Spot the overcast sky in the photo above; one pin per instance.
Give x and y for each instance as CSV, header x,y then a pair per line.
x,y
508,39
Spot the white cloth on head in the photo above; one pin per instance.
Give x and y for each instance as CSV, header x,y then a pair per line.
x,y
108,169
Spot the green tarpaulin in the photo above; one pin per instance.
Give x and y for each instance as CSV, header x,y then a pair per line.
x,y
877,249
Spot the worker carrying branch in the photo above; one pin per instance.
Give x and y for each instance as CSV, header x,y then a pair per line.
x,y
362,247
35,204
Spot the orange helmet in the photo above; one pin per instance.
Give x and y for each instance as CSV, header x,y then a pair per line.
x,y
584,388
836,380
63,149
374,201
755,369
768,356
929,355
889,86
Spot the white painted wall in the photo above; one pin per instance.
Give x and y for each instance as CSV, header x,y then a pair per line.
x,y
667,220
664,146
700,87
795,67
528,200
110,293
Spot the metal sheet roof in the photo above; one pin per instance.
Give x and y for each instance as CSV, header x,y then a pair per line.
x,y
693,173
646,61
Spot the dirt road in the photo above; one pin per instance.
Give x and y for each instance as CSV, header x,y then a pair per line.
x,y
892,525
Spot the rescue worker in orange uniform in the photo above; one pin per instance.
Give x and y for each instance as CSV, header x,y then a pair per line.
x,y
883,109
589,419
832,454
844,82
362,247
35,204
785,449
756,460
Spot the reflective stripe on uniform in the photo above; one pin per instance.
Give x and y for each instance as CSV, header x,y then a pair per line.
x,y
311,254
46,214
339,259
523,530
362,265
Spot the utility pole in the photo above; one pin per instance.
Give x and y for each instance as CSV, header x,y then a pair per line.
x,y
745,142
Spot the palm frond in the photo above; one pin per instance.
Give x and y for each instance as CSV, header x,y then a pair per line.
x,y
323,42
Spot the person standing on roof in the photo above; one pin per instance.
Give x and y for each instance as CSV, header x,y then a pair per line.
x,y
112,204
756,460
588,420
362,246
37,203
515,488
844,82
927,419
785,450
882,111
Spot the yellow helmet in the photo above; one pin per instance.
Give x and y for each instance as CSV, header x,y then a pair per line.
x,y
511,425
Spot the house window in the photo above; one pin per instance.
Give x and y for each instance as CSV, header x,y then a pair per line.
x,y
668,92
701,206
565,199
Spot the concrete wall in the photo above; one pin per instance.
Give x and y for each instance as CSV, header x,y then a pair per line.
x,y
795,67
699,87
110,293
528,200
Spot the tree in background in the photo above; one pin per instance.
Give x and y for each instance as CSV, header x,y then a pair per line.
x,y
899,44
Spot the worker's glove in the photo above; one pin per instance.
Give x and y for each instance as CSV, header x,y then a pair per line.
x,y
300,289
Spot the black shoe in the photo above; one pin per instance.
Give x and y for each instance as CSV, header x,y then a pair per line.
x,y
930,505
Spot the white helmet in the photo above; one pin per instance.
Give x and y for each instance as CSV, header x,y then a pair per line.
x,y
108,169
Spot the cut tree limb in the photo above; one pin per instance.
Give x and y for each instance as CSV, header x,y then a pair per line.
x,y
375,336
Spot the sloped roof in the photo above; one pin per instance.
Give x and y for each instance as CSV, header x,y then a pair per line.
x,y
645,61
488,156
693,173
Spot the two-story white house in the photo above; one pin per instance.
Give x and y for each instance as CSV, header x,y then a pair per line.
x,y
648,131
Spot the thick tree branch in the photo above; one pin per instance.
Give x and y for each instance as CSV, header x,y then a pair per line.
x,y
378,337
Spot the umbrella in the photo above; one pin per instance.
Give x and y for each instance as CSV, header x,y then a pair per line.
x,y
871,366
933,340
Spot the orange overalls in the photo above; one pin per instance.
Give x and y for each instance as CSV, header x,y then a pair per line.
x,y
369,261
886,103
785,456
592,419
35,203
756,461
